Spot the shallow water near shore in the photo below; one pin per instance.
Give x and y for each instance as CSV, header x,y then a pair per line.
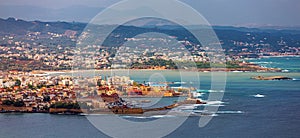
x,y
241,113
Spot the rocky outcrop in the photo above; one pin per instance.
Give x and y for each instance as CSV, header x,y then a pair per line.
x,y
4,108
271,78
119,110
66,111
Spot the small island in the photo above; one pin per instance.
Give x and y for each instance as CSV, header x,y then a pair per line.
x,y
271,78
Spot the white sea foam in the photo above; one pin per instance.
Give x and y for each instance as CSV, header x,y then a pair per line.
x,y
214,102
285,70
179,82
148,117
137,117
214,115
259,96
203,113
191,107
237,71
162,116
261,62
217,105
83,114
230,112
199,90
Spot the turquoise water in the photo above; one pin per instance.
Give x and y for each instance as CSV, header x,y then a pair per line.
x,y
291,64
241,115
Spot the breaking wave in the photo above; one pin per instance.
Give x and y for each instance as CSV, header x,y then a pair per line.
x,y
148,117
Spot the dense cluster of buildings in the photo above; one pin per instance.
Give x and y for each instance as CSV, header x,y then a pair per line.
x,y
57,51
36,91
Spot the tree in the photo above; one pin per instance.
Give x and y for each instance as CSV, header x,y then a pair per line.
x,y
18,82
46,98
46,108
65,105
135,83
31,87
19,103
7,102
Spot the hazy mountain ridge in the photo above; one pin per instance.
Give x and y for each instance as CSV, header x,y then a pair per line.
x,y
227,34
18,26
13,25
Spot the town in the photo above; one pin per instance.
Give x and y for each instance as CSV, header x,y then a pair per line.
x,y
53,47
40,92
27,53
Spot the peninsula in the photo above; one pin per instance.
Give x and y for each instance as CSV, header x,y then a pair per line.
x,y
42,93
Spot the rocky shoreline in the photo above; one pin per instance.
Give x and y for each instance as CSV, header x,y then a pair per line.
x,y
114,110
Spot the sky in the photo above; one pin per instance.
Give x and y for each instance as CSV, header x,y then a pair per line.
x,y
217,12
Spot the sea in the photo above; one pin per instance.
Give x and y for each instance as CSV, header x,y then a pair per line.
x,y
249,108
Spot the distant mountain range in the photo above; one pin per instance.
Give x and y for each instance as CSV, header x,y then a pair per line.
x,y
19,26
227,34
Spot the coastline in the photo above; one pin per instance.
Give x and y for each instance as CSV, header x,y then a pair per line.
x,y
259,69
244,67
255,70
280,56
114,110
